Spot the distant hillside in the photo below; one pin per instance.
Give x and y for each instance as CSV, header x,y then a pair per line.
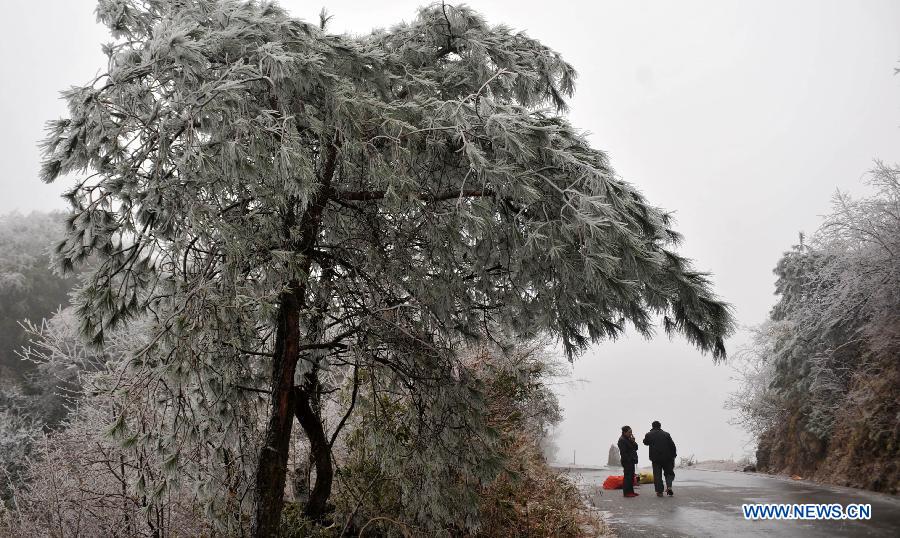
x,y
29,289
822,379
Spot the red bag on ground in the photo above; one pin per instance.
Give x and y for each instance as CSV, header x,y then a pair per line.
x,y
614,482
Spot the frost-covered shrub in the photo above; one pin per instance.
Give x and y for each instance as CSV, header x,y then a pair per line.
x,y
121,462
465,463
18,433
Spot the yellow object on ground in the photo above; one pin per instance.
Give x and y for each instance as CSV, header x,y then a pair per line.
x,y
645,478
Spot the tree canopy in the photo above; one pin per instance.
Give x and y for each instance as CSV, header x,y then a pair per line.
x,y
289,205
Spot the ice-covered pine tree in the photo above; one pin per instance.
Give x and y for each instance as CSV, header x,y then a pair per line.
x,y
268,189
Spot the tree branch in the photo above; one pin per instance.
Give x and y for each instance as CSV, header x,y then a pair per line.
x,y
257,353
349,409
364,196
252,389
334,342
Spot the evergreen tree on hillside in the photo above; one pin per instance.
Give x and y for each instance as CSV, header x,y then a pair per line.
x,y
821,378
292,206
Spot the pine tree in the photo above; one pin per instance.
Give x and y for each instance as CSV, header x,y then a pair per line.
x,y
282,198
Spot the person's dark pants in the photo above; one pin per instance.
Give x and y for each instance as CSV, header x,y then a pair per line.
x,y
628,484
661,468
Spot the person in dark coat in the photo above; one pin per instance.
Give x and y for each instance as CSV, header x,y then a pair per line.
x,y
662,456
628,448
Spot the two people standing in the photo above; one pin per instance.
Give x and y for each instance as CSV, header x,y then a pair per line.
x,y
662,456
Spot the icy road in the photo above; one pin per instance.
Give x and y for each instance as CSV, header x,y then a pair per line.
x,y
708,503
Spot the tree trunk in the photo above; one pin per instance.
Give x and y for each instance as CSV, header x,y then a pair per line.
x,y
307,405
320,449
272,466
271,472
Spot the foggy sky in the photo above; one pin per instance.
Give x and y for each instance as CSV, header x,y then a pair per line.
x,y
743,117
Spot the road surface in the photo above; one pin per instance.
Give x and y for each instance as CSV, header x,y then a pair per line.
x,y
708,503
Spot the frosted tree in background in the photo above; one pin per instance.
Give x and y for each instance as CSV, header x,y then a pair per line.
x,y
29,289
821,379
293,208
105,468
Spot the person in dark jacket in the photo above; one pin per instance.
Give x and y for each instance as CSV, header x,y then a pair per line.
x,y
628,451
662,456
